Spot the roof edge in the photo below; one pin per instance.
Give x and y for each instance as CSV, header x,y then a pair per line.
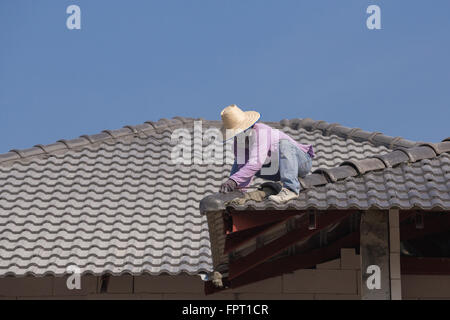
x,y
349,168
357,134
85,140
216,201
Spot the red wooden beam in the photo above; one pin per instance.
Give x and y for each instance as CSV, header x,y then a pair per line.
x,y
425,266
243,220
431,225
301,261
405,215
312,219
300,232
236,239
288,264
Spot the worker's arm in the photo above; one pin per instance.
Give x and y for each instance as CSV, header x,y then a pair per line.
x,y
235,169
230,184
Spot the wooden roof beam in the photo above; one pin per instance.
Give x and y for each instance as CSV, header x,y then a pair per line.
x,y
288,264
430,225
237,239
299,233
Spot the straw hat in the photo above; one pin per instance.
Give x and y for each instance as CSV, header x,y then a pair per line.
x,y
235,121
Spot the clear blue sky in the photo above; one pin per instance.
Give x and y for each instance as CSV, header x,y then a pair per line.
x,y
141,60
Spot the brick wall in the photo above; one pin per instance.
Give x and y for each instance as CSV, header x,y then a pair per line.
x,y
425,287
336,279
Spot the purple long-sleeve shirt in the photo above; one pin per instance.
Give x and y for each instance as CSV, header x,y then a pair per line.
x,y
263,142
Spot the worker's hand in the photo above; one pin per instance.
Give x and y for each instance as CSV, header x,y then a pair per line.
x,y
228,186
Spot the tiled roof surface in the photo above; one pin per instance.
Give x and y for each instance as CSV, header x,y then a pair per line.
x,y
115,203
332,150
118,206
424,185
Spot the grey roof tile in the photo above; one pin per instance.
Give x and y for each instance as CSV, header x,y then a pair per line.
x,y
393,158
439,148
365,165
419,153
315,179
74,143
27,152
362,135
9,156
119,132
53,147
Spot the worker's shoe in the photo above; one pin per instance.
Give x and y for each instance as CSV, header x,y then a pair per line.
x,y
284,196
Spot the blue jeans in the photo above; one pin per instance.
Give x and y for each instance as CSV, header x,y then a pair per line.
x,y
293,163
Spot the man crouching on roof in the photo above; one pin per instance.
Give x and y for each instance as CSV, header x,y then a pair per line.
x,y
257,144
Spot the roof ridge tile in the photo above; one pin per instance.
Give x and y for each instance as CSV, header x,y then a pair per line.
x,y
338,173
365,165
9,156
418,153
74,143
117,133
306,122
314,180
357,134
27,152
438,148
84,140
352,132
393,158
325,172
330,129
342,130
394,141
52,147
321,125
